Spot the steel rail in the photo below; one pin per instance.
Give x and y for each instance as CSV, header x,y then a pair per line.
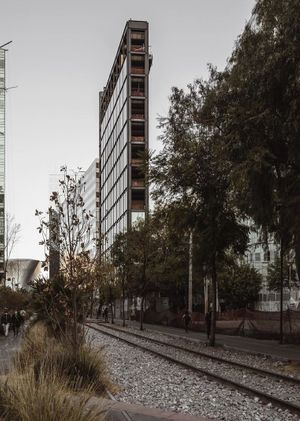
x,y
260,371
265,397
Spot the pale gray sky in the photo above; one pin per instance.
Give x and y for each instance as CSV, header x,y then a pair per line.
x,y
61,57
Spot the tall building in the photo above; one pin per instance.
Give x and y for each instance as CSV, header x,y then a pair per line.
x,y
90,195
2,162
124,134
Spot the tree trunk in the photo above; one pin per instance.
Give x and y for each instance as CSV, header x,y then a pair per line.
x,y
142,314
92,304
112,312
75,318
281,290
123,301
214,300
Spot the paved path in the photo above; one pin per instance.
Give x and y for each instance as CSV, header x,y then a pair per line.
x,y
8,347
240,343
121,411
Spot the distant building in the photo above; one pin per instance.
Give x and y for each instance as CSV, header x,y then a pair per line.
x,y
260,257
2,161
21,271
124,134
91,197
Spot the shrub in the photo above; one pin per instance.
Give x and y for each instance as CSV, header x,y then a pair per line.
x,y
84,370
25,398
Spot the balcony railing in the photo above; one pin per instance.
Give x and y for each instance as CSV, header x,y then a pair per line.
x,y
136,161
137,70
138,183
138,205
138,116
138,48
138,138
137,93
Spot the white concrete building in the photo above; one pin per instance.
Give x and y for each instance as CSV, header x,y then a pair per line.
x,y
260,257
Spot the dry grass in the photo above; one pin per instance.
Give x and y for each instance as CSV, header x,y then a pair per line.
x,y
291,368
27,398
83,370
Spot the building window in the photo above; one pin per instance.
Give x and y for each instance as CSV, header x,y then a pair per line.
x,y
267,256
257,257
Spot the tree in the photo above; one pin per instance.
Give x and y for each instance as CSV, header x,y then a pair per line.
x,y
256,106
239,284
12,237
290,278
122,264
135,255
191,168
70,232
14,300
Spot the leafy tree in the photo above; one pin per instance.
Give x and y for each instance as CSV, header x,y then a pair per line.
x,y
135,254
256,106
191,169
15,300
122,263
290,278
239,284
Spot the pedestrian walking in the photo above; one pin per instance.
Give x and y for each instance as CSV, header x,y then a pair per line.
x,y
5,321
208,323
187,319
16,322
99,311
105,314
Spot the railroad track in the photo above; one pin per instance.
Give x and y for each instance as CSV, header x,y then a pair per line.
x,y
266,380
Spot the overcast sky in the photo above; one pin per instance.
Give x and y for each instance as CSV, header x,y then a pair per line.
x,y
61,56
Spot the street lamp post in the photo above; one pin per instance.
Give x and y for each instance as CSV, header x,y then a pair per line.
x,y
190,291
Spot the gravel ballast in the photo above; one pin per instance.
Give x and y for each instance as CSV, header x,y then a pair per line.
x,y
151,381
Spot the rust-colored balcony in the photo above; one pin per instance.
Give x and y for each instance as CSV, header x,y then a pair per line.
x,y
140,116
138,48
138,204
138,182
137,70
136,162
138,139
138,93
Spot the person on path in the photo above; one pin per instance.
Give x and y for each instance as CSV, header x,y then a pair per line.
x,y
187,319
5,321
105,314
208,323
16,322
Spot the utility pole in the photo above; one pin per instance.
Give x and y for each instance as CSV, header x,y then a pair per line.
x,y
190,292
281,292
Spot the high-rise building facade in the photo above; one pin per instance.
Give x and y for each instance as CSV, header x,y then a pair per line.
x,y
124,134
90,195
2,162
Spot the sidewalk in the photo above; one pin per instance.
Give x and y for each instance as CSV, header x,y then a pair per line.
x,y
8,347
267,347
120,411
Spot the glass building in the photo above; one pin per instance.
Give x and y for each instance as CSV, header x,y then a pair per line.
x,y
124,134
2,162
